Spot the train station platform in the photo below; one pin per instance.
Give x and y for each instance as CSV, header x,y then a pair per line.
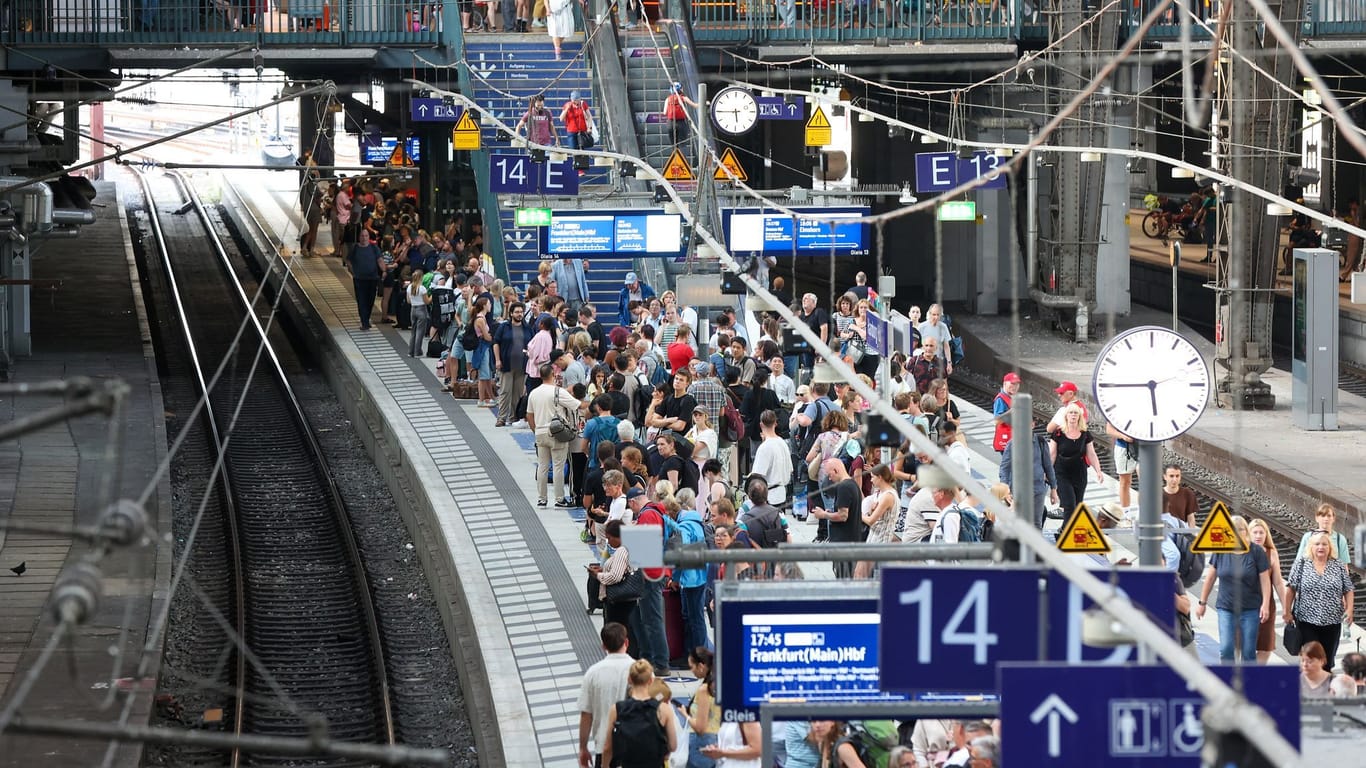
x,y
511,574
1258,450
87,320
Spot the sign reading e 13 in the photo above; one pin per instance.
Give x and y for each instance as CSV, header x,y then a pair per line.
x,y
942,171
518,175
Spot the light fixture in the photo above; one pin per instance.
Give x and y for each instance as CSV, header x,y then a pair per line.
x,y
1090,157
907,196
1182,173
557,157
705,251
1004,152
671,207
538,155
926,138
767,94
865,117
603,162
661,194
1277,209
965,152
627,170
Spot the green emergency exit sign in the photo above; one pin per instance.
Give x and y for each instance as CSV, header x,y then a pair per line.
x,y
532,217
958,210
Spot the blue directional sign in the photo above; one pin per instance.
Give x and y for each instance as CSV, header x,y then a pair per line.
x,y
433,111
1132,716
942,171
377,150
776,108
877,334
946,629
511,174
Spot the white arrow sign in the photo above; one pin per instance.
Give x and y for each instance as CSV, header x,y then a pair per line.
x,y
1055,709
519,239
484,68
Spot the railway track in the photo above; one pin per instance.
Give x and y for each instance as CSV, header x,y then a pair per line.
x,y
1287,526
292,588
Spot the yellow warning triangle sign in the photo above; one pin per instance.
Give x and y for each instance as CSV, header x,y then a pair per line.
x,y
729,162
399,156
818,129
1218,535
1082,534
677,169
465,135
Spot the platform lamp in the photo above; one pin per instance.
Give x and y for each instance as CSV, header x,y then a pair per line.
x,y
825,373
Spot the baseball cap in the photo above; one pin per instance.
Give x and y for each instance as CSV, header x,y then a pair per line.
x,y
1066,386
573,95
1011,378
634,493
630,278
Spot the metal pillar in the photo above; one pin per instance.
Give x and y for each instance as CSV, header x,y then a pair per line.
x,y
1150,530
1250,114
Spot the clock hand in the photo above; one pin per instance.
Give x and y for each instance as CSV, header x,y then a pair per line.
x,y
1107,385
1152,391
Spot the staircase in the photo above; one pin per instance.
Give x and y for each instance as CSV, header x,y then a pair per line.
x,y
606,274
505,75
647,85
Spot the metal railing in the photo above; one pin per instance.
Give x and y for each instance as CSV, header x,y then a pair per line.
x,y
144,22
839,21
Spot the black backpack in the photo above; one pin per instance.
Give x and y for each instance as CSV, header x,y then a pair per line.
x,y
469,340
638,739
814,430
765,526
1191,564
642,399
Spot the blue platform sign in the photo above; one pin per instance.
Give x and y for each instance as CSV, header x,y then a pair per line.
x,y
433,111
777,108
516,174
377,150
942,171
877,334
946,629
1132,716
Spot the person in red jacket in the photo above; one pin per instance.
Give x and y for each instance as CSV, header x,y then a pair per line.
x,y
577,123
654,644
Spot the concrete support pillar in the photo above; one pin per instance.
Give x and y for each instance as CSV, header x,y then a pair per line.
x,y
1112,254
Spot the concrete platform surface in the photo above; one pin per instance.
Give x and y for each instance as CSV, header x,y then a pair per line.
x,y
87,320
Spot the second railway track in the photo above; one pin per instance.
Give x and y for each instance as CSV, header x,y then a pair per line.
x,y
310,657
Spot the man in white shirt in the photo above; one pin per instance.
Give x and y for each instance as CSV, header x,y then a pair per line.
x,y
919,517
772,460
604,684
782,385
542,405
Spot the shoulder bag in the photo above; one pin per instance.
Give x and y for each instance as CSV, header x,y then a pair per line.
x,y
629,589
563,429
1291,638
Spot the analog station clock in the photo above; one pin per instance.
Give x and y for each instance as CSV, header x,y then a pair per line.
x,y
1151,383
735,110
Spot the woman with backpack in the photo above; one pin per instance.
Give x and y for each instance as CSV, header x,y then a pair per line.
x,y
640,729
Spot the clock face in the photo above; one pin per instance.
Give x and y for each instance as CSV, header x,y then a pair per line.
x,y
734,110
1151,383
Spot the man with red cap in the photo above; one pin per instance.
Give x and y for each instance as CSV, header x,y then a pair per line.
x,y
1067,393
1000,410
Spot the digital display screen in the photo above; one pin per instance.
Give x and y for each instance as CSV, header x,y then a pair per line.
x,y
376,150
1300,290
575,234
750,231
799,651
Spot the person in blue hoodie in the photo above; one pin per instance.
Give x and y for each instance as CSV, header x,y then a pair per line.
x,y
692,582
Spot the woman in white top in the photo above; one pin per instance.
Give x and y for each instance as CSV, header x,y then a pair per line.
x,y
737,746
879,514
419,299
703,436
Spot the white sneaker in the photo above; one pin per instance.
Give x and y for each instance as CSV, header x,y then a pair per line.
x,y
518,424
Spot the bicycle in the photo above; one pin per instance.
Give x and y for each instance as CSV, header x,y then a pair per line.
x,y
1161,225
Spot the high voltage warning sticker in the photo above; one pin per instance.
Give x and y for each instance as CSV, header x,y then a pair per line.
x,y
677,169
818,129
1081,533
729,162
399,157
465,135
1218,534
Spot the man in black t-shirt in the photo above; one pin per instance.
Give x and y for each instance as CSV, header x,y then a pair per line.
x,y
846,519
817,320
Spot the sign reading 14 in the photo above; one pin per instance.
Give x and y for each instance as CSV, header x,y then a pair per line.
x,y
517,174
